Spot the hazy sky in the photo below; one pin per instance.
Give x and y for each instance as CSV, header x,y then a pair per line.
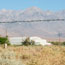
x,y
23,4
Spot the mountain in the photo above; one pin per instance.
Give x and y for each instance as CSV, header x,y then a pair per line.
x,y
29,13
42,29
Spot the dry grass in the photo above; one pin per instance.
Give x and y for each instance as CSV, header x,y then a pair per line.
x,y
33,55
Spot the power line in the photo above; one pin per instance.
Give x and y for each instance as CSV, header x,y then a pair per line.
x,y
47,20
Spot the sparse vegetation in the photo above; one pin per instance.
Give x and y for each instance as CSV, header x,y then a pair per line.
x,y
55,43
58,43
8,57
33,55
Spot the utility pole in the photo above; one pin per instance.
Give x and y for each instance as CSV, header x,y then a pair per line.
x,y
6,32
5,45
59,35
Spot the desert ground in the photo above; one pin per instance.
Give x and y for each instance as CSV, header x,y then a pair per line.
x,y
32,55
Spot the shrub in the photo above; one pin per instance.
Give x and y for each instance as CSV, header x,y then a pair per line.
x,y
56,43
63,43
27,42
4,40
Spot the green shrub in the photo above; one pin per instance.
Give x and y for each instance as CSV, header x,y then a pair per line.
x,y
56,43
4,40
63,43
27,42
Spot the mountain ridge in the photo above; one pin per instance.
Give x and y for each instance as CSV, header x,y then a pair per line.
x,y
29,13
41,29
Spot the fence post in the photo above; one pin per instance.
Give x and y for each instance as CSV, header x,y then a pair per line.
x,y
5,45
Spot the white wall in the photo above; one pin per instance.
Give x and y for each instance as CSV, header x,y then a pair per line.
x,y
40,41
15,40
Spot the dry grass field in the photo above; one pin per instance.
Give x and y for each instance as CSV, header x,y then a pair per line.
x,y
32,55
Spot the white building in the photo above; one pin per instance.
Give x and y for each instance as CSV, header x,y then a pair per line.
x,y
16,40
39,41
19,40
